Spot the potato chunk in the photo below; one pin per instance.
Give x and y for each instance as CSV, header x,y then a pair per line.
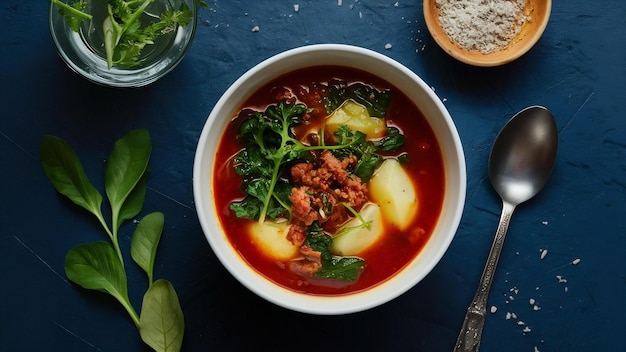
x,y
271,239
353,238
355,116
392,189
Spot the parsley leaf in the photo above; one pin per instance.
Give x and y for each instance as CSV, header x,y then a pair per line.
x,y
269,147
124,36
74,13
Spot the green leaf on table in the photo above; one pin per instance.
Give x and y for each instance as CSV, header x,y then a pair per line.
x,y
145,240
124,169
134,202
96,266
161,323
65,171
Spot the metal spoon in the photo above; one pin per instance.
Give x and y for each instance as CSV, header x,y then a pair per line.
x,y
520,164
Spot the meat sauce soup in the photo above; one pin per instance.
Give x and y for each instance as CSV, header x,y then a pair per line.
x,y
395,248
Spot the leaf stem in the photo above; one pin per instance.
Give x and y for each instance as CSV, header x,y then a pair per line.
x,y
116,244
270,191
135,16
132,312
71,9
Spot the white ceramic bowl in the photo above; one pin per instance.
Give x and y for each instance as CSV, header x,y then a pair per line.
x,y
402,78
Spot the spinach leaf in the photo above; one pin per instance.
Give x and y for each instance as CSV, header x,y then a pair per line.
x,y
341,268
161,323
134,202
374,100
124,168
65,171
100,266
269,147
145,240
247,208
333,267
393,140
251,163
363,149
367,151
95,266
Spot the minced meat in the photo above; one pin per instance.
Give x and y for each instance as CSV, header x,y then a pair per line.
x,y
321,193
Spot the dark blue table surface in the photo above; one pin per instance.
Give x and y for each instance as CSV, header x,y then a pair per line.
x,y
577,70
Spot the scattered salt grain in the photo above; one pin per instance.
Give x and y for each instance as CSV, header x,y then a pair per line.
x,y
536,349
493,309
561,279
396,4
256,29
526,330
296,7
507,316
388,46
521,323
544,253
544,222
576,261
531,301
536,307
339,2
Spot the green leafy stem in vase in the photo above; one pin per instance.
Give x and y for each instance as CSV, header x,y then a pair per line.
x,y
124,35
100,265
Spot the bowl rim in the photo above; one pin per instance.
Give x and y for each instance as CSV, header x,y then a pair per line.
x,y
118,78
489,60
248,277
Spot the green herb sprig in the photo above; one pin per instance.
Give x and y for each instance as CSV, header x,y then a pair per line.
x,y
124,36
269,147
100,265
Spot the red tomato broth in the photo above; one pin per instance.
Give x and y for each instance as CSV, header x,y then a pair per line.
x,y
396,249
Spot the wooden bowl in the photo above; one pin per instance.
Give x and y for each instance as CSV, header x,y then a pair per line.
x,y
530,32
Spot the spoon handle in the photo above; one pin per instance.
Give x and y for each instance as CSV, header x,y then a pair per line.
x,y
471,331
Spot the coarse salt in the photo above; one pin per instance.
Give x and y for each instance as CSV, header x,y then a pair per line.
x,y
483,25
388,46
493,309
296,7
256,29
576,261
544,253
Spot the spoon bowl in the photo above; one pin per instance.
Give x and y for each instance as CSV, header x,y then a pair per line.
x,y
520,164
523,154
